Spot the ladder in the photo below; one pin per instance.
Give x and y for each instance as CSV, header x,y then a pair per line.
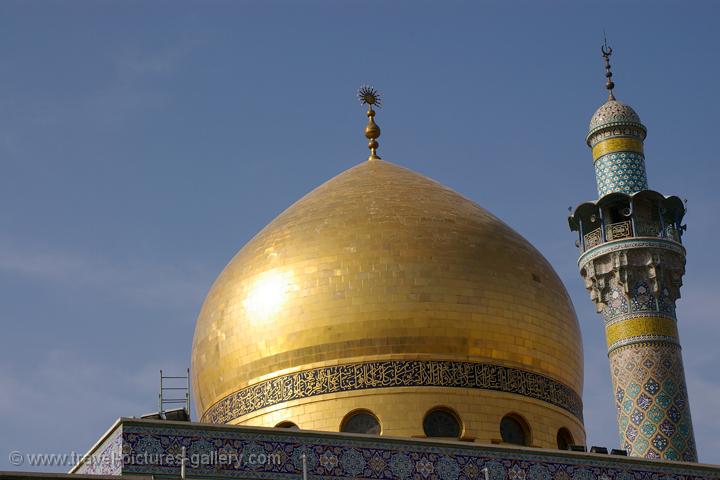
x,y
172,393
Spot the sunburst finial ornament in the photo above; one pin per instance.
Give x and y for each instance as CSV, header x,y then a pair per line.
x,y
371,97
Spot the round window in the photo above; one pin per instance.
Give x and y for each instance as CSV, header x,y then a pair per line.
x,y
564,439
513,430
290,425
361,422
442,423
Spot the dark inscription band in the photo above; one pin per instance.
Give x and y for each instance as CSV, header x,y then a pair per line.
x,y
393,373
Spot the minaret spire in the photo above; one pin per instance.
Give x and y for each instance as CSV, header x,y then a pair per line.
x,y
609,84
369,96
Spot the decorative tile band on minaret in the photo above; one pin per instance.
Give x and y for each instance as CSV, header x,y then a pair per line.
x,y
632,261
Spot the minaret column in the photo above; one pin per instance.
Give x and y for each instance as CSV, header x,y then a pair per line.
x,y
632,261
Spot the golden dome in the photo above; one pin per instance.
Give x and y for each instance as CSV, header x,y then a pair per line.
x,y
386,291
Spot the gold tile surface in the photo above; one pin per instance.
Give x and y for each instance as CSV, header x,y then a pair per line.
x,y
378,263
615,144
641,327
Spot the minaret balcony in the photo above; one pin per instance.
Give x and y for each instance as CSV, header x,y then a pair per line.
x,y
619,230
617,216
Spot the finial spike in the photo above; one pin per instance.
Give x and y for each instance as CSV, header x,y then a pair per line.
x,y
369,96
606,52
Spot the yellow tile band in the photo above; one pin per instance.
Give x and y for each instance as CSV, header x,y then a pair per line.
x,y
639,327
617,145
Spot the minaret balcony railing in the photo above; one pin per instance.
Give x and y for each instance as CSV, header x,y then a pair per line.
x,y
593,239
624,229
616,231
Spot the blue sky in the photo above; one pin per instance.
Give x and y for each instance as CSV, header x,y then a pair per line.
x,y
143,143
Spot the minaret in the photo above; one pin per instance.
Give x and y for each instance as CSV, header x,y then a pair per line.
x,y
633,261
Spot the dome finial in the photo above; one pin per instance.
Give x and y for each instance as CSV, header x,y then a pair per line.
x,y
606,52
369,96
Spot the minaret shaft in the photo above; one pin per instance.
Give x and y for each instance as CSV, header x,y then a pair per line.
x,y
635,283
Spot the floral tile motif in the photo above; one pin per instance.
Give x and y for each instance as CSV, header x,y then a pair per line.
x,y
674,414
660,442
644,401
663,400
667,428
107,458
637,417
655,414
654,399
651,386
640,447
648,429
339,458
642,299
619,395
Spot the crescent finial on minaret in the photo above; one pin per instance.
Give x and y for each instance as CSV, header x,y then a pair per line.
x,y
609,84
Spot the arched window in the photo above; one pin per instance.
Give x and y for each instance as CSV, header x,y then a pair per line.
x,y
361,421
442,422
513,429
564,439
289,425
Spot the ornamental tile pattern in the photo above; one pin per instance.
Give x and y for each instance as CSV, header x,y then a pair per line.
x,y
336,457
620,172
393,373
639,301
649,421
611,112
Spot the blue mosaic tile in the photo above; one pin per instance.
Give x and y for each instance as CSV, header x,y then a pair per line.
x,y
623,422
637,417
448,469
644,401
648,429
669,385
667,427
663,400
375,458
680,401
620,172
671,454
631,433
660,442
633,390
655,414
651,386
538,472
352,462
640,447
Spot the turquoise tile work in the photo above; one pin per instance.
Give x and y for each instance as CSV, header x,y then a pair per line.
x,y
620,172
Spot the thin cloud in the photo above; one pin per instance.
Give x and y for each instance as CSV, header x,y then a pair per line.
x,y
60,392
140,282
